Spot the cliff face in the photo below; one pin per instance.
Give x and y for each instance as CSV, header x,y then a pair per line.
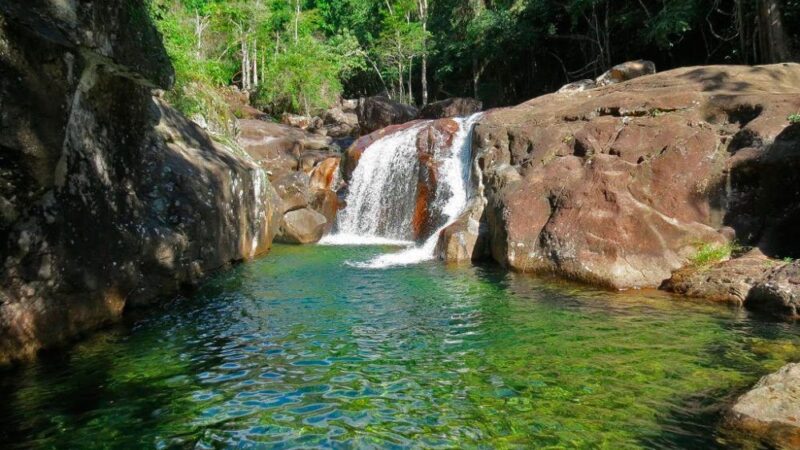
x,y
622,184
108,198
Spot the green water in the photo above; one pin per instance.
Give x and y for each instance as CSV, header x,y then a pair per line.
x,y
299,349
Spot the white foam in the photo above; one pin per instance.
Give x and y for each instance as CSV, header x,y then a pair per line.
x,y
350,239
374,181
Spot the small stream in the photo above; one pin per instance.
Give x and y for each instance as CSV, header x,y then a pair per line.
x,y
300,349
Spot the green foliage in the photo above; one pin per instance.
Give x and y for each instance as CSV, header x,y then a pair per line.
x,y
302,79
708,254
505,51
794,118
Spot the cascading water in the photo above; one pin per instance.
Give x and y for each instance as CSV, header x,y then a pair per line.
x,y
382,198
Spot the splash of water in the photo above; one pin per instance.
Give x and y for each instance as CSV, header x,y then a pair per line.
x,y
381,200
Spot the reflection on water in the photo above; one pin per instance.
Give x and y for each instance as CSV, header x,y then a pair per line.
x,y
299,349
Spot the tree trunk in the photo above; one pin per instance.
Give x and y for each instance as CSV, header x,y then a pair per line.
x,y
410,86
400,84
423,17
476,77
772,38
255,63
296,20
245,65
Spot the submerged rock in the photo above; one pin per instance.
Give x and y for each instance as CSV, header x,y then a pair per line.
x,y
618,185
771,410
110,199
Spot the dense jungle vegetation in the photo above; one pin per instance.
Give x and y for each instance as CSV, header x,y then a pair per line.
x,y
301,55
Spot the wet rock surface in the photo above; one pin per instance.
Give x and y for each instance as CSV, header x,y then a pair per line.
x,y
619,185
110,199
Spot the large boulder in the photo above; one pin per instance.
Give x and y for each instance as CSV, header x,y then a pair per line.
x,y
302,226
109,198
618,185
380,111
451,107
778,292
771,410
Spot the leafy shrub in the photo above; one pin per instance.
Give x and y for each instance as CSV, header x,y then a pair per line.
x,y
794,118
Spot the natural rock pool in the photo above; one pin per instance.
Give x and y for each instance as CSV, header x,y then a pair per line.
x,y
301,349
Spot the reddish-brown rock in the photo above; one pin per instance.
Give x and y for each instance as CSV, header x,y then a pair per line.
x,y
618,185
277,147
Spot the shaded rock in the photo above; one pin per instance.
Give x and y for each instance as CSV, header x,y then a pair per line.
x,y
771,410
451,107
339,123
618,185
293,191
302,226
578,86
626,71
309,160
728,281
326,202
379,112
778,293
466,239
110,199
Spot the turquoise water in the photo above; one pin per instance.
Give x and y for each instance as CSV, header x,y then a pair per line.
x,y
300,349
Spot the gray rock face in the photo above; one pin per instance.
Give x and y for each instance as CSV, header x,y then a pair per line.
x,y
779,292
108,198
626,71
578,86
771,410
302,226
379,112
451,107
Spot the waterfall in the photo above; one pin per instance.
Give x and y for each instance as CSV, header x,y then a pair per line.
x,y
383,192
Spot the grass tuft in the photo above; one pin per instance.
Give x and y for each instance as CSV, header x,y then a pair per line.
x,y
708,254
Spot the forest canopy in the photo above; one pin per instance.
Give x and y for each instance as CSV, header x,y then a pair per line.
x,y
301,55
